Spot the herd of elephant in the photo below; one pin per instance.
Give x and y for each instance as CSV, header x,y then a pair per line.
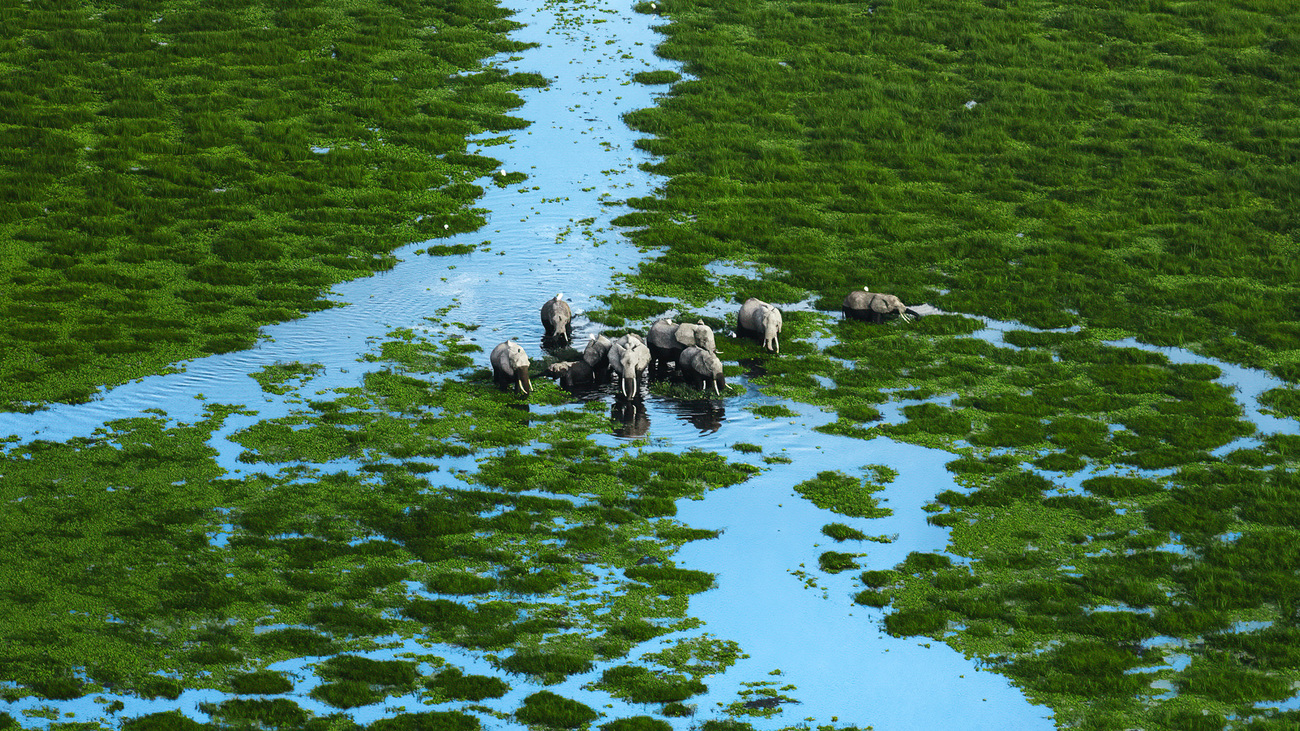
x,y
690,346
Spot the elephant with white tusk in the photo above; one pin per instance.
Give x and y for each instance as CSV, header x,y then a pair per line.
x,y
510,364
699,366
628,359
757,316
667,339
556,315
871,306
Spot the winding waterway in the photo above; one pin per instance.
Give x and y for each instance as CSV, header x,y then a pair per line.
x,y
551,234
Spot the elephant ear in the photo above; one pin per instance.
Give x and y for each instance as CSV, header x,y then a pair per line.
x,y
880,304
685,334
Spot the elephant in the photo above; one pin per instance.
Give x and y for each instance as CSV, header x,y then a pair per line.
x,y
757,316
592,368
872,306
700,366
578,373
667,339
555,318
596,356
509,363
628,359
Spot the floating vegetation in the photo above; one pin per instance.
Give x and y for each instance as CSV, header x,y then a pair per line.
x,y
840,493
640,685
841,532
276,378
833,562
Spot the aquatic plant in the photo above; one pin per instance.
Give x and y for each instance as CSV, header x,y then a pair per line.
x,y
833,562
841,532
842,494
641,685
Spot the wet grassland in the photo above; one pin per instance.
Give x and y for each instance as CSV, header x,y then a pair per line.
x,y
419,513
1123,547
176,175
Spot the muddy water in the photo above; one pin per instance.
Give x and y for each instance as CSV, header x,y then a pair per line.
x,y
551,234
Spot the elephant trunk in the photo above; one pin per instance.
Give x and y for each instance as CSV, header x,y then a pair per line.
x,y
522,383
628,385
770,340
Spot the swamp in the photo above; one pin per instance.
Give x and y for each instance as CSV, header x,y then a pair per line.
x,y
255,474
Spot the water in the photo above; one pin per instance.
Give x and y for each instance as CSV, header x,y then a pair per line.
x,y
549,234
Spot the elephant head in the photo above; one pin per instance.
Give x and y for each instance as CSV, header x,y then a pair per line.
x,y
699,335
510,364
701,366
759,317
556,315
628,358
597,349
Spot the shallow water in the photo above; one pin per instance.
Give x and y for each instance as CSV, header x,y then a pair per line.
x,y
551,234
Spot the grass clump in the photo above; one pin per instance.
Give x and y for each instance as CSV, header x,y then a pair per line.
x,y
546,664
840,493
264,682
833,562
661,76
841,532
452,683
671,581
545,708
774,411
640,685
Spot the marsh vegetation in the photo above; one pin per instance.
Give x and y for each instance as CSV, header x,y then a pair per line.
x,y
1121,541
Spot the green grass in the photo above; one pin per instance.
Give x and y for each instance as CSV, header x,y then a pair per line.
x,y
545,708
184,194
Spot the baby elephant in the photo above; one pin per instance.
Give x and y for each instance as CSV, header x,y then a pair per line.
x,y
555,318
509,363
757,316
594,366
700,366
871,306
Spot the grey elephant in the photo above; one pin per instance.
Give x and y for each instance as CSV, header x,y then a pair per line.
x,y
510,364
628,359
556,316
667,339
871,306
757,316
700,367
594,366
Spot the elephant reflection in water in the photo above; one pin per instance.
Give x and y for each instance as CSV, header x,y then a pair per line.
x,y
633,419
707,416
